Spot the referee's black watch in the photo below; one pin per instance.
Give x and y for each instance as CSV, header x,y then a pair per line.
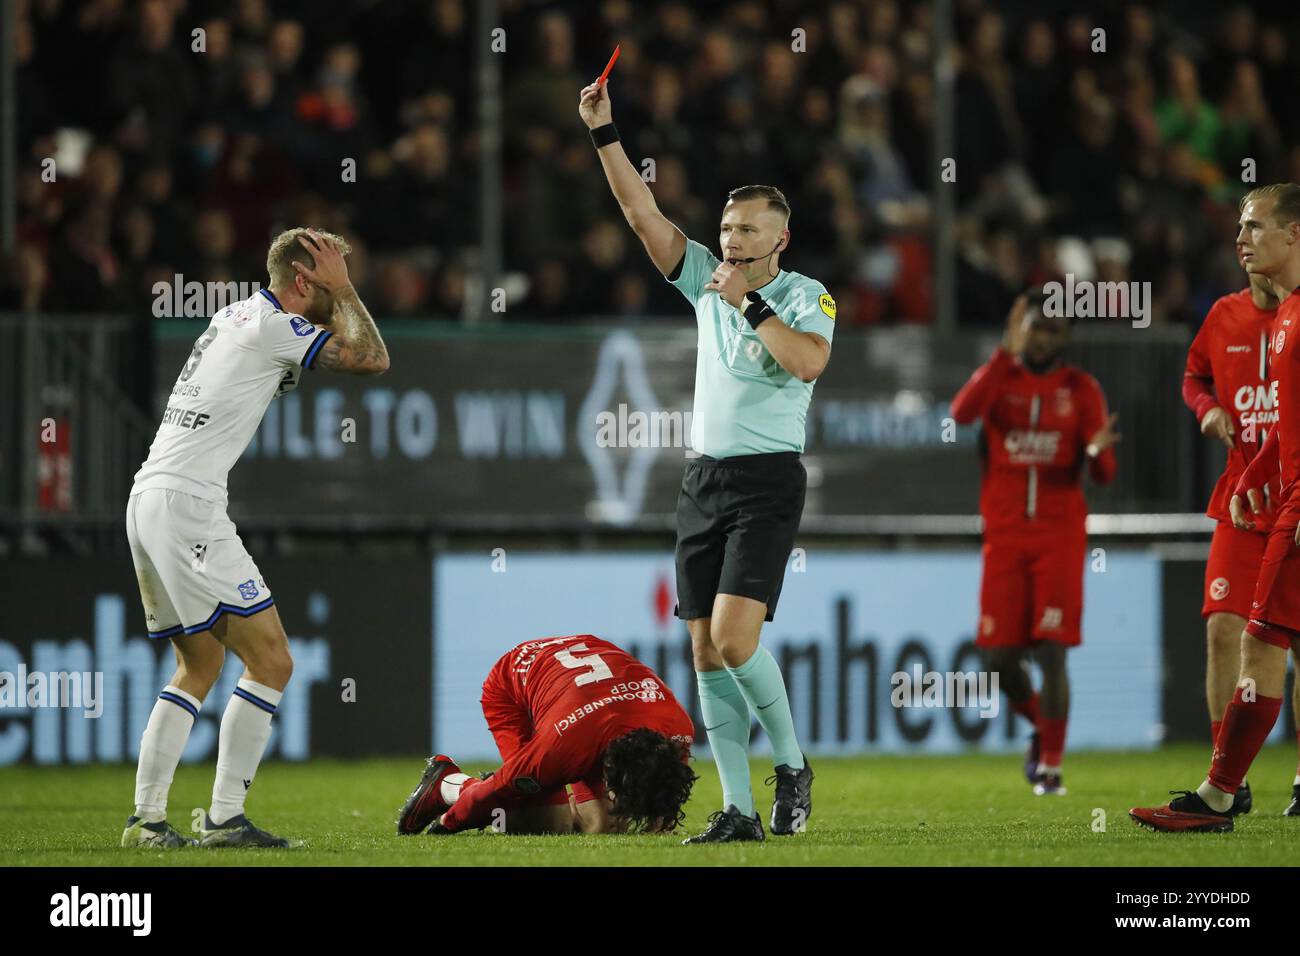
x,y
755,310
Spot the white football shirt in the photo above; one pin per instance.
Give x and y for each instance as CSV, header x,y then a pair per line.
x,y
251,352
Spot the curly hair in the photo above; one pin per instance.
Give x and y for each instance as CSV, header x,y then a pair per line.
x,y
650,780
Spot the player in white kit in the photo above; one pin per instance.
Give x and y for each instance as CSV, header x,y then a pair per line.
x,y
198,585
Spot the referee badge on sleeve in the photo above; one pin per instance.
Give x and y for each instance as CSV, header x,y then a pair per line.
x,y
828,305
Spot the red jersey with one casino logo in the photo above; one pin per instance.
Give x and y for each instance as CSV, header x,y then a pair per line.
x,y
578,694
1282,359
1036,430
1227,367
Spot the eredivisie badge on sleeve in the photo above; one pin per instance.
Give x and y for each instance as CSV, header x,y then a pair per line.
x,y
827,304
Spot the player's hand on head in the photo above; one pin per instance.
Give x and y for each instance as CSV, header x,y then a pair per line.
x,y
1013,340
330,271
594,106
1218,424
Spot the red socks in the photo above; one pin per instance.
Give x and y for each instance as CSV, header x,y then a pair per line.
x,y
1051,740
1027,708
1051,730
1215,727
1245,728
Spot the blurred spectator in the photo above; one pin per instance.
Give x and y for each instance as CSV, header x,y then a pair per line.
x,y
449,291
85,266
604,259
1183,116
217,73
1248,130
548,296
402,288
1038,84
151,86
24,280
255,106
284,50
1086,173
37,113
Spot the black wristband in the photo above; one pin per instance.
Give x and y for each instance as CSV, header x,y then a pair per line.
x,y
604,135
755,310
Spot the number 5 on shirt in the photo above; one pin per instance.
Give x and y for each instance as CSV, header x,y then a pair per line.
x,y
596,669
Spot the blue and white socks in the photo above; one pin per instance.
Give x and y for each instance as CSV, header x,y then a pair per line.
x,y
161,747
245,729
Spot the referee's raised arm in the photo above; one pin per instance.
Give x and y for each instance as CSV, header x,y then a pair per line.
x,y
664,241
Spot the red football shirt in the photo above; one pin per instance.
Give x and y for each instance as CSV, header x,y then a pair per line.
x,y
1281,450
1227,368
1034,440
577,694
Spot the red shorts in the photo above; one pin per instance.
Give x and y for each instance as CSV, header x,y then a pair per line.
x,y
1232,570
1032,589
512,727
1277,592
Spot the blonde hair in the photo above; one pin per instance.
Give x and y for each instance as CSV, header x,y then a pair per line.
x,y
1286,209
286,250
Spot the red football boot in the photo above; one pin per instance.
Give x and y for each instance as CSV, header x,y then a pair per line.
x,y
425,804
1186,813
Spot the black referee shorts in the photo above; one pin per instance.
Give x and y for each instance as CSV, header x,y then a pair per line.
x,y
736,522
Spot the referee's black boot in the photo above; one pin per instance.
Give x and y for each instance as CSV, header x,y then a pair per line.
x,y
793,803
729,826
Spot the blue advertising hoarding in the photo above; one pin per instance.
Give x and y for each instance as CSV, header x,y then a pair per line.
x,y
847,622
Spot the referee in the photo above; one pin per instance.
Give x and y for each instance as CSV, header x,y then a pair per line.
x,y
764,337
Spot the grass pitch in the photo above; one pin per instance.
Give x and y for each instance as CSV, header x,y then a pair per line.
x,y
867,811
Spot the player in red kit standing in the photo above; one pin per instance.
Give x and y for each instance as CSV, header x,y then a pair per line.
x,y
567,710
1269,240
1042,420
1227,386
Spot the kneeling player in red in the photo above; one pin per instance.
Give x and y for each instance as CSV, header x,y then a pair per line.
x,y
1042,421
574,711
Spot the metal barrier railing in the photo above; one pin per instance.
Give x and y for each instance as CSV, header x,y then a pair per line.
x,y
71,437
74,428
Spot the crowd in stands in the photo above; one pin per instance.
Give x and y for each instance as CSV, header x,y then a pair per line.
x,y
165,137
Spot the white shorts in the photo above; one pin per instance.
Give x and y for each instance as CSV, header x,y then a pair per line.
x,y
190,563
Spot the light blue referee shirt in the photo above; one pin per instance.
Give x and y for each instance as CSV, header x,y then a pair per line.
x,y
746,403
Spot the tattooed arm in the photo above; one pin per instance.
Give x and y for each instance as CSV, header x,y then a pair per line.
x,y
356,345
